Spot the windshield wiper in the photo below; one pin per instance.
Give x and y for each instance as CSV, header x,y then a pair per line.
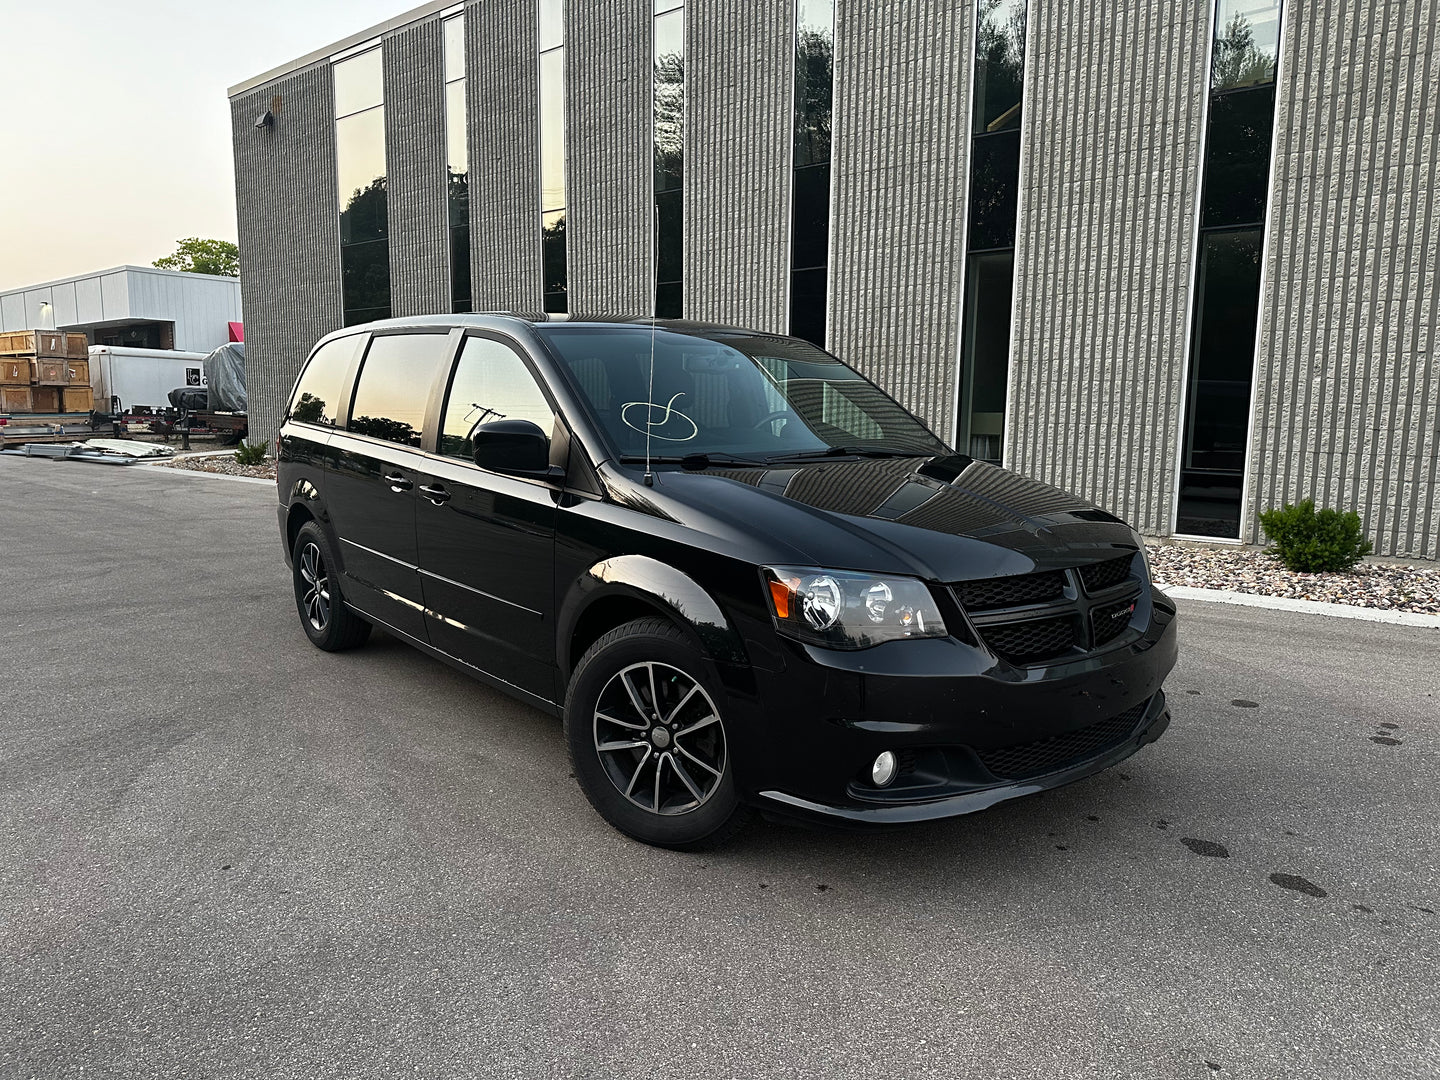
x,y
695,461
853,451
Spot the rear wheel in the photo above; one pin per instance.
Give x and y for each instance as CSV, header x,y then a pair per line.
x,y
645,727
327,622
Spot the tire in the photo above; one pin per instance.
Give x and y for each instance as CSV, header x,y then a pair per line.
x,y
669,783
327,622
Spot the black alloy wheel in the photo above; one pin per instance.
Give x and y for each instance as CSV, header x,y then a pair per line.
x,y
647,738
327,622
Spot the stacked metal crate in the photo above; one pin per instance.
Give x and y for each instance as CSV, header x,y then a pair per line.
x,y
45,372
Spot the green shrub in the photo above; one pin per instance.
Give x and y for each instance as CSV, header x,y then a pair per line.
x,y
251,453
1311,541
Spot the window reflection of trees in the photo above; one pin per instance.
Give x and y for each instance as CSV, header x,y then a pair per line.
x,y
380,427
669,121
814,85
310,409
1238,60
1000,62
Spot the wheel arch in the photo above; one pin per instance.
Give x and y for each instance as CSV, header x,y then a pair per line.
x,y
305,504
628,587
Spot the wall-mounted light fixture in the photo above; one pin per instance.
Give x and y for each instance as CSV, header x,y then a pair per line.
x,y
267,118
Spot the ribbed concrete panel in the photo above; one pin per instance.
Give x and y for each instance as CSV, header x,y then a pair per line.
x,y
288,216
415,160
738,108
608,99
902,103
1347,379
1114,117
503,102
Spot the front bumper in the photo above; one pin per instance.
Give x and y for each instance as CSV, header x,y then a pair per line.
x,y
970,730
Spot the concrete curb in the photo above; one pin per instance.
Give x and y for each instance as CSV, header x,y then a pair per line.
x,y
1304,607
156,466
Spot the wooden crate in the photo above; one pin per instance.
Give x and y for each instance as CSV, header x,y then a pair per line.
x,y
50,372
42,343
16,370
76,399
45,399
79,372
16,399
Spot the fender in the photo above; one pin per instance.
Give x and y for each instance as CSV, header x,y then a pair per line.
x,y
303,492
662,586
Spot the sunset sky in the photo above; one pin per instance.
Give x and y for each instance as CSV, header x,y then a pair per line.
x,y
116,129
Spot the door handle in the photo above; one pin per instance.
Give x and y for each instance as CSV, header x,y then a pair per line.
x,y
399,483
437,494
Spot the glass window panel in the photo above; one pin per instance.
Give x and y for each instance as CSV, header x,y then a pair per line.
x,y
317,394
994,187
359,83
669,302
810,218
1237,160
360,169
814,80
999,64
455,48
669,100
394,386
365,280
552,24
552,130
986,357
662,6
552,247
490,383
807,305
1247,40
457,149
669,220
460,268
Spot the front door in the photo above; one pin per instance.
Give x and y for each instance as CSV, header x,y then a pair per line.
x,y
486,541
377,462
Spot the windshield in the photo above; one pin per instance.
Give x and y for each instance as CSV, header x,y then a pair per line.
x,y
730,396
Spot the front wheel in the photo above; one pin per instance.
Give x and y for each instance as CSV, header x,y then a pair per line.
x,y
327,622
647,738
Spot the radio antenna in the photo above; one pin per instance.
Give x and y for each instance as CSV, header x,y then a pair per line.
x,y
654,303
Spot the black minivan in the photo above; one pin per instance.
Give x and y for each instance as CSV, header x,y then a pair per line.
x,y
742,574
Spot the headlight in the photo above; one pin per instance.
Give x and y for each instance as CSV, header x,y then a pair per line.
x,y
844,610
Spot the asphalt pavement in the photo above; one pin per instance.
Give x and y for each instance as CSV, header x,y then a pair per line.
x,y
224,853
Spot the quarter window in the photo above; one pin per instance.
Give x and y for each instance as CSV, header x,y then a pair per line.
x,y
491,383
394,387
317,394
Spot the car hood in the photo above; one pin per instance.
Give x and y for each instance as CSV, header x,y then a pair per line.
x,y
945,518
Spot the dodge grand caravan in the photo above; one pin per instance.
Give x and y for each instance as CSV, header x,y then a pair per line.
x,y
740,572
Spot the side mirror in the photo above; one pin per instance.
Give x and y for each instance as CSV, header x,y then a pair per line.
x,y
514,448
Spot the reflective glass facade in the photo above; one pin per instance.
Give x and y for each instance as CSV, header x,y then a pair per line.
x,y
360,175
1227,272
810,196
990,236
552,153
457,153
669,142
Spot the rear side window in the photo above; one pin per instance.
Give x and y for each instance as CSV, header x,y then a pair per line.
x,y
321,385
491,383
394,386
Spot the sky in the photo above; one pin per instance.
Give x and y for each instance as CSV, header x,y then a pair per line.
x,y
115,127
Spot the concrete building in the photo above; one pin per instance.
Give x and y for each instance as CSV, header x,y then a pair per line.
x,y
137,306
1176,256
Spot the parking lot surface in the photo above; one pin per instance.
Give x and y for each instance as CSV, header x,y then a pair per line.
x,y
225,853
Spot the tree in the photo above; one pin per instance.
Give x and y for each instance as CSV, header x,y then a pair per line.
x,y
196,256
1238,60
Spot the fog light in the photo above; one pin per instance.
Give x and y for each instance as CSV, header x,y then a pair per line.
x,y
883,771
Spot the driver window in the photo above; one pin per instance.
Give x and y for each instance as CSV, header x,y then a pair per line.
x,y
490,383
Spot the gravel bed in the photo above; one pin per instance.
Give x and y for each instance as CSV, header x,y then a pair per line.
x,y
1391,586
225,466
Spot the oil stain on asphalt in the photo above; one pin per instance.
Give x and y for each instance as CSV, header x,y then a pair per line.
x,y
1208,848
1299,884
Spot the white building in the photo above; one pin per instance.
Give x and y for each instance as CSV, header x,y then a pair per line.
x,y
137,306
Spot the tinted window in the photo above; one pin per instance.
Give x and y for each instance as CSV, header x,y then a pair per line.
x,y
491,383
321,385
394,386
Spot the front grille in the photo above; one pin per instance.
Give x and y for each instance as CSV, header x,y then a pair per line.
x,y
1032,641
1109,622
1011,591
1058,751
1107,574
